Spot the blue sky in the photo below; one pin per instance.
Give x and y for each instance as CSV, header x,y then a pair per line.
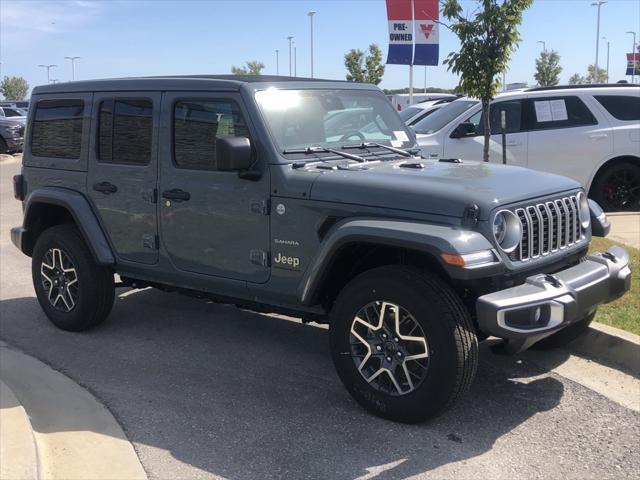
x,y
136,37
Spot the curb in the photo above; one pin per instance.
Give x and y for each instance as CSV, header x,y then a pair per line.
x,y
76,437
609,345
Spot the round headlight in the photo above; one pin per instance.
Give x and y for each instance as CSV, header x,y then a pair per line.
x,y
507,230
585,211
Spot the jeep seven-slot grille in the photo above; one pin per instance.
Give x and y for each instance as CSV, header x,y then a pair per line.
x,y
547,227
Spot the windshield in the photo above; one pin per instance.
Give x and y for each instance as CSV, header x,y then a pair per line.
x,y
330,118
409,112
443,116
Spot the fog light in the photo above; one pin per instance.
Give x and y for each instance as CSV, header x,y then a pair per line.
x,y
528,318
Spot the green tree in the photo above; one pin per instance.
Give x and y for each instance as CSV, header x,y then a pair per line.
x,y
361,69
251,68
14,88
577,79
548,68
591,75
487,40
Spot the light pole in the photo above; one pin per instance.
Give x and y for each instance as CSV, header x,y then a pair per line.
x,y
290,37
311,14
633,58
73,66
48,67
608,45
596,76
544,45
295,59
277,62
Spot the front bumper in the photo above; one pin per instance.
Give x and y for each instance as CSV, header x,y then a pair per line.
x,y
14,144
546,303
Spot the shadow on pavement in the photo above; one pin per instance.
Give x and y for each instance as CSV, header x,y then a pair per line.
x,y
244,395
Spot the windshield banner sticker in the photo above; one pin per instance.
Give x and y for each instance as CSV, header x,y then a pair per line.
x,y
400,135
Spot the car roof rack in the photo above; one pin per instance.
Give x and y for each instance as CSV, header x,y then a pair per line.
x,y
577,87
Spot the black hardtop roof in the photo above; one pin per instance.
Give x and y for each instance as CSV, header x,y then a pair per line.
x,y
193,82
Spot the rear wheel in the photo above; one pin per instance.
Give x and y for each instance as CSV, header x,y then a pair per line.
x,y
402,343
617,188
74,292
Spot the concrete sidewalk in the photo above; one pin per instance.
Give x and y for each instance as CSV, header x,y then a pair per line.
x,y
625,228
52,428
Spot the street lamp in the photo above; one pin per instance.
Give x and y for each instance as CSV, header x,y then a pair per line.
x,y
608,45
290,37
633,58
73,66
295,59
311,14
48,67
544,45
277,62
599,3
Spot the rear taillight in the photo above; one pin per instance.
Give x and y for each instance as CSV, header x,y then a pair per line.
x,y
18,187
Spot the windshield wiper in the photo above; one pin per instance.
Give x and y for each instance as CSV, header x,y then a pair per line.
x,y
311,150
364,145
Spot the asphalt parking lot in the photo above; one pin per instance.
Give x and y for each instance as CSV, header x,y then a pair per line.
x,y
208,391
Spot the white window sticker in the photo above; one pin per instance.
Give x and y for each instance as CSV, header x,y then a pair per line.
x,y
558,110
396,143
401,135
543,111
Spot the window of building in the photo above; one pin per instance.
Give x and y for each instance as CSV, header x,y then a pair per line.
x,y
125,130
622,107
57,129
196,126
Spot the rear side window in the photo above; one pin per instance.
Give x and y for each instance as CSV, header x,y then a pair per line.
x,y
57,129
513,112
559,112
196,126
622,107
125,130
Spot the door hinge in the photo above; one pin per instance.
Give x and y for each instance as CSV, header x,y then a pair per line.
x,y
151,241
261,207
259,257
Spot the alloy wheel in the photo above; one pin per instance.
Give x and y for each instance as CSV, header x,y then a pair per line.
x,y
622,189
59,279
389,348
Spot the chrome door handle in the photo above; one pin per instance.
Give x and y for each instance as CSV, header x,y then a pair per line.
x,y
598,136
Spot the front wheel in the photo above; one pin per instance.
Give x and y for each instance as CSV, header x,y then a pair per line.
x,y
74,292
402,343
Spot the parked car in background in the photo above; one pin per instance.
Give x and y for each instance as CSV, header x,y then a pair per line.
x,y
400,101
8,112
418,111
590,133
11,135
24,104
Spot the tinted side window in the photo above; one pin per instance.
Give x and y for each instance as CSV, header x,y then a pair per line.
x,y
513,110
197,124
622,107
559,112
125,130
57,129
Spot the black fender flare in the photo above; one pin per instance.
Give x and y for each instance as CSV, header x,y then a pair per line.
x,y
82,213
423,237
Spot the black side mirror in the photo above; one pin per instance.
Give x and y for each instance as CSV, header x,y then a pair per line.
x,y
233,153
465,129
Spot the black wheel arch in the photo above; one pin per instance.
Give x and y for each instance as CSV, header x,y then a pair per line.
x,y
610,163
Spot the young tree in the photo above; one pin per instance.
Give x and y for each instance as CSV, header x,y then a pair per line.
x,y
577,79
591,75
14,88
364,70
548,69
486,43
252,68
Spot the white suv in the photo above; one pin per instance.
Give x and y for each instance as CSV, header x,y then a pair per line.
x,y
587,132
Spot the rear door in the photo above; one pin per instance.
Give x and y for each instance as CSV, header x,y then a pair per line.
x,y
565,137
470,148
123,171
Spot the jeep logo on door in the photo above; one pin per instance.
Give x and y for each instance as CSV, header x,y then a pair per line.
x,y
291,263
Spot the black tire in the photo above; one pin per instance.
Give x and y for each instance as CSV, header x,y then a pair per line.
x,y
451,342
4,148
617,188
90,297
566,335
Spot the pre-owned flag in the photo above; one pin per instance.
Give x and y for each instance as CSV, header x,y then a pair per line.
x,y
425,16
400,18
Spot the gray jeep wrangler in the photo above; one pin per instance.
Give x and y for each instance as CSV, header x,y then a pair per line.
x,y
305,197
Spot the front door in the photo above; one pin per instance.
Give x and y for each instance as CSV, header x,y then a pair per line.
x,y
211,222
123,171
470,148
